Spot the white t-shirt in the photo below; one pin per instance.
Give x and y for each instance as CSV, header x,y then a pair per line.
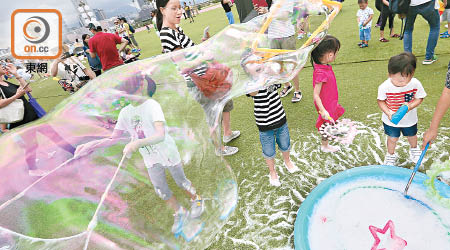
x,y
364,15
418,2
396,96
282,26
139,123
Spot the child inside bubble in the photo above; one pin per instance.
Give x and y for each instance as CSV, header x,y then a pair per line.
x,y
145,124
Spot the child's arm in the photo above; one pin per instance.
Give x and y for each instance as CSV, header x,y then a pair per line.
x,y
323,112
87,148
412,105
385,2
441,108
445,2
368,20
383,106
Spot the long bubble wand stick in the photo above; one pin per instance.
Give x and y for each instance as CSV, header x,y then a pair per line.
x,y
415,169
93,222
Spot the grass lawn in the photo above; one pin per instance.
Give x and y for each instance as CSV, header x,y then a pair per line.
x,y
265,216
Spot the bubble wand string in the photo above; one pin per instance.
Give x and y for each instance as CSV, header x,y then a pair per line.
x,y
93,222
415,169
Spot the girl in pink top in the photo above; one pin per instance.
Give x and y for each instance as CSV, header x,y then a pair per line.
x,y
325,87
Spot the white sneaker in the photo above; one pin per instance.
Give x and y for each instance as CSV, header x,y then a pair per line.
x,y
274,182
293,169
390,160
227,150
329,149
234,134
414,154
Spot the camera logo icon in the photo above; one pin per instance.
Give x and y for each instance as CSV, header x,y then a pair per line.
x,y
36,34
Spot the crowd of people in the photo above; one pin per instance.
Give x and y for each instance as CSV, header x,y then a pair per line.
x,y
428,9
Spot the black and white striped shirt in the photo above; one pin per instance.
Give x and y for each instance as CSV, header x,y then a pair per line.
x,y
268,109
172,39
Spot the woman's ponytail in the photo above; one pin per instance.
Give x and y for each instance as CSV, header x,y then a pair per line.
x,y
159,20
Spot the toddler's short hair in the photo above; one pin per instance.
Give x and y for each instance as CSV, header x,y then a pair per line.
x,y
362,1
404,63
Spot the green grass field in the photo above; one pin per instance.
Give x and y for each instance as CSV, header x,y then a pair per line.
x,y
264,218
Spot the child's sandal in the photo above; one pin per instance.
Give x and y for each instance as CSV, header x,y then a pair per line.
x,y
384,40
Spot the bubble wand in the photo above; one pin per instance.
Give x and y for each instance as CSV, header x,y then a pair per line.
x,y
415,169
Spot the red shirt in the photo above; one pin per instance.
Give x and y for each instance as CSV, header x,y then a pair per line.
x,y
260,3
104,44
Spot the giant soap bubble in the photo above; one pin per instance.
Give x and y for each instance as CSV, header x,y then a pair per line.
x,y
102,199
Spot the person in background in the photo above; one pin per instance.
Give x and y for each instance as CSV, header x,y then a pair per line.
x,y
70,69
172,39
129,35
188,11
282,36
227,8
364,19
446,17
194,8
385,15
95,63
104,45
425,8
11,93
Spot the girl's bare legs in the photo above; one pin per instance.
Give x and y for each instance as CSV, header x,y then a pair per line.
x,y
271,165
287,159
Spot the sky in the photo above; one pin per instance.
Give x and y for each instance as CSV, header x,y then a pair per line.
x,y
111,8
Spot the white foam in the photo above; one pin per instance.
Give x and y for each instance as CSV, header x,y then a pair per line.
x,y
344,220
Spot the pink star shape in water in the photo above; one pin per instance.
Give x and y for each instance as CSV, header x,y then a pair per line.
x,y
397,243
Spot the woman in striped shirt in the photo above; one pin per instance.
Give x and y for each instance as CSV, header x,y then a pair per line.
x,y
173,38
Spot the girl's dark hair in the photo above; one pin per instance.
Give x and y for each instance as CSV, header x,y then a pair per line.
x,y
328,44
159,17
84,42
404,63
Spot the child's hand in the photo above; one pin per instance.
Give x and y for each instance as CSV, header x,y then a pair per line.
x,y
85,149
389,114
131,147
325,115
